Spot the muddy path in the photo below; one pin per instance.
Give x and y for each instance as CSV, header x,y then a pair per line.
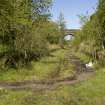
x,y
82,74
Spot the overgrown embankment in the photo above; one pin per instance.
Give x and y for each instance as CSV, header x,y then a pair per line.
x,y
60,76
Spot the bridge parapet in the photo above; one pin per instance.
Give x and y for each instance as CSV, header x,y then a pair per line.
x,y
71,31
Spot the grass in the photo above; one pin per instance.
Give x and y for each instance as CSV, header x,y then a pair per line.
x,y
90,92
46,68
83,57
39,71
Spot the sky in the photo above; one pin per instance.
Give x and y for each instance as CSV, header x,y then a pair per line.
x,y
71,9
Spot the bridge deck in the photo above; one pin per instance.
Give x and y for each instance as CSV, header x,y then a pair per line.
x,y
71,31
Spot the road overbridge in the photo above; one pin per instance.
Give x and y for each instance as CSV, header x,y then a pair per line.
x,y
71,31
70,34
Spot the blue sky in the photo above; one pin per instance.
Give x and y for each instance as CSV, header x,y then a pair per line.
x,y
72,8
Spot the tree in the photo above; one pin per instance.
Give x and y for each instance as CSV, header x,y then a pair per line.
x,y
101,19
83,19
62,26
92,36
51,31
20,22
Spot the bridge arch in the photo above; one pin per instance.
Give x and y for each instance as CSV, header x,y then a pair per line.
x,y
70,34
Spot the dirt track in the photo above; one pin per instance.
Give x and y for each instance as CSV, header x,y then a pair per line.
x,y
82,74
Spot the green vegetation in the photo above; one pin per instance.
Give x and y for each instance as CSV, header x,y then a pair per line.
x,y
47,68
62,26
25,31
32,47
91,92
91,38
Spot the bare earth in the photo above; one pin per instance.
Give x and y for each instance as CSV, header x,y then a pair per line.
x,y
82,74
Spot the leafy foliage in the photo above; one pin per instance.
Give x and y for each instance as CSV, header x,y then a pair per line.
x,y
22,24
91,38
62,27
